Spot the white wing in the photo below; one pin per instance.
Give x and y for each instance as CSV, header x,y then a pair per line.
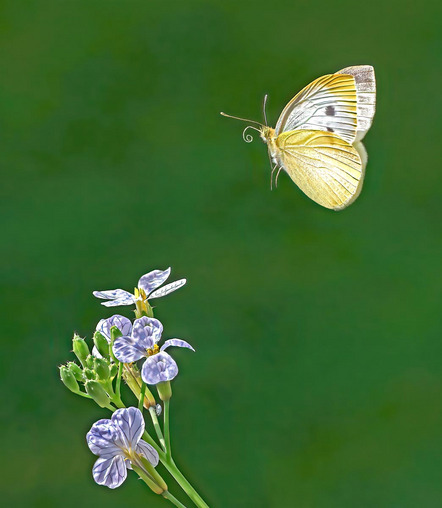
x,y
366,95
327,104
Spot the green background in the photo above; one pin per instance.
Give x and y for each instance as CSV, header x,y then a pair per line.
x,y
316,381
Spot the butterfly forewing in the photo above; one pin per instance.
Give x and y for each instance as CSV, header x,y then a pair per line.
x,y
328,104
324,166
366,96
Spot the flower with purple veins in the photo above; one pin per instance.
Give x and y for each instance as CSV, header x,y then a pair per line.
x,y
147,289
104,327
118,443
143,342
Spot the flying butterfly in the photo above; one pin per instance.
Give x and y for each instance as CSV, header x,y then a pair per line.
x,y
317,139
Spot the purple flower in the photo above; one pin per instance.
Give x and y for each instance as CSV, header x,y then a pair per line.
x,y
147,289
117,442
143,342
104,326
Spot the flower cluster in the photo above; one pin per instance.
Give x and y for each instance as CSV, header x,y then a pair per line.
x,y
130,351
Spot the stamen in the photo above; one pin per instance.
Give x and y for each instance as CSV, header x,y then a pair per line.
x,y
153,351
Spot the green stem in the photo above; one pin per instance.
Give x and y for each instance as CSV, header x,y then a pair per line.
x,y
167,495
141,401
167,430
147,480
118,383
157,427
176,473
184,483
85,395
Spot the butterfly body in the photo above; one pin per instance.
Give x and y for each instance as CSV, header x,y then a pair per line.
x,y
316,140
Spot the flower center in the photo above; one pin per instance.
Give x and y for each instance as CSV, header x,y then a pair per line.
x,y
140,294
142,304
153,351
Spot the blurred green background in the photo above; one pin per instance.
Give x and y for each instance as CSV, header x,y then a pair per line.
x,y
316,381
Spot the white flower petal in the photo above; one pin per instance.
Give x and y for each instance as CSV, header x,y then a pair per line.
x,y
124,300
176,342
153,279
148,330
110,471
96,353
128,350
130,424
122,323
101,438
148,451
112,294
158,368
167,289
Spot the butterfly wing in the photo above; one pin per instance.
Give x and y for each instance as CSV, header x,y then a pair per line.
x,y
366,96
327,104
323,165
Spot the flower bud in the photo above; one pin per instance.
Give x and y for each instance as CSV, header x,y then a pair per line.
x,y
76,370
113,370
101,367
164,390
115,333
89,374
69,379
90,362
150,469
80,349
101,344
133,380
97,392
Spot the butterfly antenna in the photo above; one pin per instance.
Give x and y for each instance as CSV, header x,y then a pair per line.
x,y
264,104
241,119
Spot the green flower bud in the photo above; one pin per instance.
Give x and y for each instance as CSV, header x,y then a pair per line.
x,y
80,349
164,390
98,393
89,374
90,362
113,370
101,367
76,370
115,333
69,379
101,344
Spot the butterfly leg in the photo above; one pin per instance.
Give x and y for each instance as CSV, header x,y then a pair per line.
x,y
277,175
271,176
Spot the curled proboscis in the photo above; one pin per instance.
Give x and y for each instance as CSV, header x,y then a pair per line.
x,y
248,138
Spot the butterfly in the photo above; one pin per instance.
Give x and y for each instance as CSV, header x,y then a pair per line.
x,y
317,139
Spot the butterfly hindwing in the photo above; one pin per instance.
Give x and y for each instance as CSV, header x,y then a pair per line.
x,y
328,104
324,166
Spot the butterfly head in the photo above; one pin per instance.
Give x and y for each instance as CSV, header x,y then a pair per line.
x,y
267,134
